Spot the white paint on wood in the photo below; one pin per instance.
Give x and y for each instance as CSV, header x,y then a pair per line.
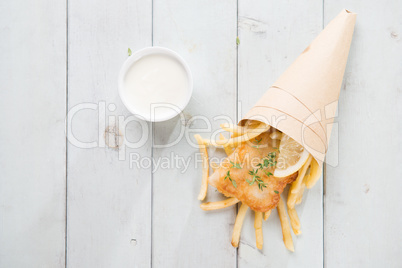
x,y
362,215
272,35
204,33
32,141
109,203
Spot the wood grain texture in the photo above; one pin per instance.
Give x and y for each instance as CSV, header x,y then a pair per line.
x,y
109,203
204,33
114,216
362,214
32,140
272,34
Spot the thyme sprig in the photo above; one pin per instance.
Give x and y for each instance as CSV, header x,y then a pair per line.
x,y
268,161
231,180
235,165
257,179
257,144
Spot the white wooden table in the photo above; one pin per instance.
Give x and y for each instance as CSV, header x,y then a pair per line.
x,y
66,206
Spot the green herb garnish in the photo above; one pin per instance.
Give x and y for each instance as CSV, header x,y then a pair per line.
x,y
268,161
231,180
256,179
237,41
261,184
253,173
129,52
276,192
268,173
235,165
258,141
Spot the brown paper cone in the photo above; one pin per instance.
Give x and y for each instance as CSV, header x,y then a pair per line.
x,y
302,102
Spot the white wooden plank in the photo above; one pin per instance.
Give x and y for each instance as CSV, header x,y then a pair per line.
x,y
362,214
109,203
32,141
272,34
204,33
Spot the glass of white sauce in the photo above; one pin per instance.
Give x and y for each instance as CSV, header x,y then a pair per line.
x,y
155,84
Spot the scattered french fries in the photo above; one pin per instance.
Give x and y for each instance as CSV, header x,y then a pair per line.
x,y
287,236
238,224
205,167
219,204
258,229
308,175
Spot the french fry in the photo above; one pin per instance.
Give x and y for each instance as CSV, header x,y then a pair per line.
x,y
276,135
302,172
303,186
276,138
266,215
235,129
238,224
214,165
294,221
292,197
228,149
205,167
300,194
248,135
209,142
315,174
287,236
219,204
296,185
258,229
251,124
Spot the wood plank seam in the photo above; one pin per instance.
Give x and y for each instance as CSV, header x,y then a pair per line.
x,y
323,171
237,106
66,205
152,150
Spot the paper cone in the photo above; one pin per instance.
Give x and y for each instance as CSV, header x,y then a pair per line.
x,y
302,102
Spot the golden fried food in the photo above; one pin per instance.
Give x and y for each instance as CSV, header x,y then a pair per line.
x,y
247,174
205,168
219,204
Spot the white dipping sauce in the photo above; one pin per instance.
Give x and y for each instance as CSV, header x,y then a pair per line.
x,y
156,79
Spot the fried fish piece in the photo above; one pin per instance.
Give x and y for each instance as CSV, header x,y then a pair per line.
x,y
247,174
